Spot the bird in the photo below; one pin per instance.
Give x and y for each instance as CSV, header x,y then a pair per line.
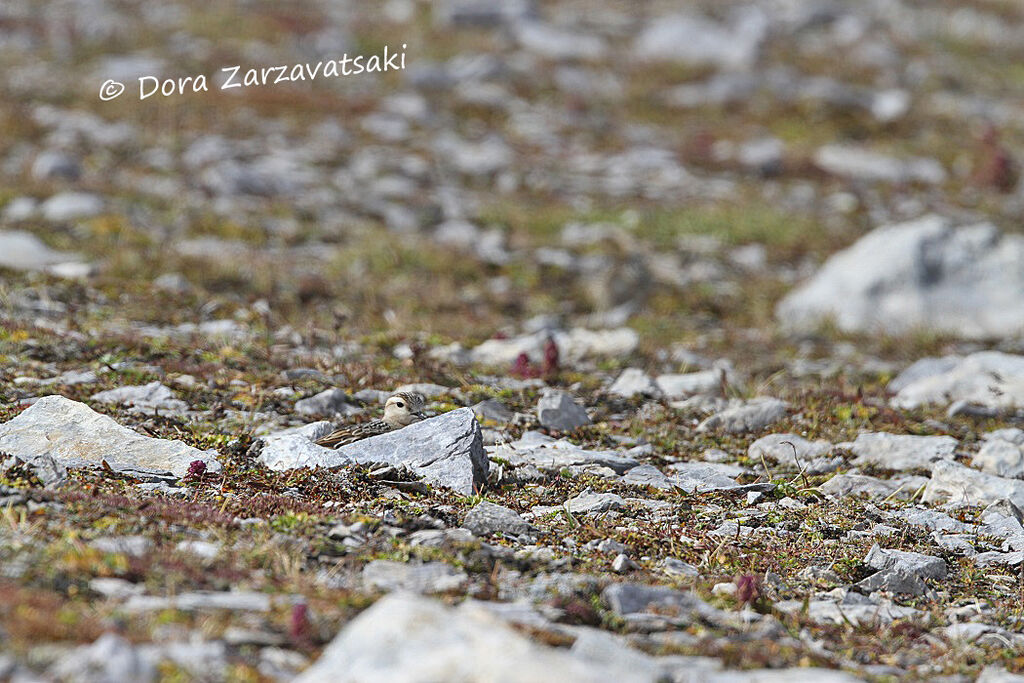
x,y
401,410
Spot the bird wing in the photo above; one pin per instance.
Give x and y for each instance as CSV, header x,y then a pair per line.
x,y
352,433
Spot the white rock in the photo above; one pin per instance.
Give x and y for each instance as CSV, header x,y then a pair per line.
x,y
776,447
1002,454
634,381
109,658
68,206
622,564
588,503
919,564
988,378
136,546
446,450
549,454
408,638
20,209
202,549
573,346
924,274
74,434
901,451
20,250
900,488
554,43
959,485
862,164
197,601
746,416
708,381
429,577
856,612
890,105
144,398
701,477
698,40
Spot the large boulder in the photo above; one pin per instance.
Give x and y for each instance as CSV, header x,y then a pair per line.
x,y
958,485
410,638
988,380
925,274
446,450
73,434
695,39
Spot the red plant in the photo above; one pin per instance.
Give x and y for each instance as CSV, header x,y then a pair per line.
x,y
196,469
550,358
748,588
523,368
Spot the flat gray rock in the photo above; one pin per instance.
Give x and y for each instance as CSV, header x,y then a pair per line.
x,y
145,398
964,281
778,448
900,488
110,658
73,434
931,520
648,475
429,577
627,599
921,369
695,39
68,206
893,581
486,518
953,483
199,601
600,647
995,557
634,382
865,164
446,450
745,416
410,638
549,454
681,385
701,477
136,546
987,379
558,410
856,610
20,250
901,451
588,503
918,564
1002,454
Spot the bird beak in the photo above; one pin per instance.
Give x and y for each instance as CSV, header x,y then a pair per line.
x,y
422,416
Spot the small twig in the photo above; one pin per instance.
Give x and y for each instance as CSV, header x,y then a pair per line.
x,y
765,465
800,465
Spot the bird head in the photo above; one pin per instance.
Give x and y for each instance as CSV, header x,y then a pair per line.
x,y
403,409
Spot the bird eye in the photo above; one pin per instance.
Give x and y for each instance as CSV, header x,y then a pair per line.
x,y
400,404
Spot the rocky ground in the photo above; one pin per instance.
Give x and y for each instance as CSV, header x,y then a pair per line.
x,y
718,309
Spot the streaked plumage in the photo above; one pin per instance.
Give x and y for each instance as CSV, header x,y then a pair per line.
x,y
401,410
